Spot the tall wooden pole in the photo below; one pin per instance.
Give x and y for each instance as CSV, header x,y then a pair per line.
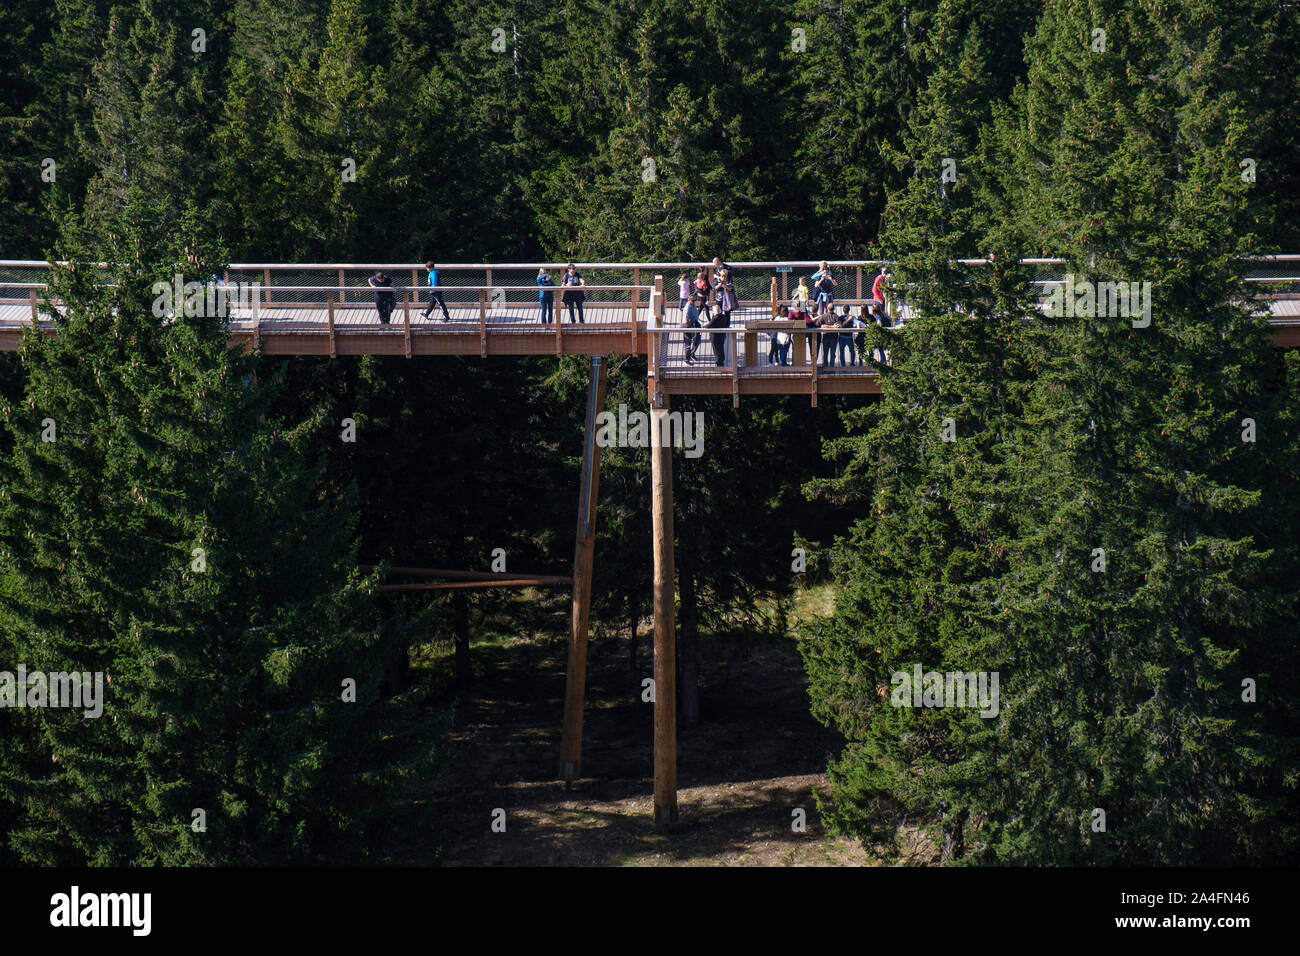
x,y
575,681
665,671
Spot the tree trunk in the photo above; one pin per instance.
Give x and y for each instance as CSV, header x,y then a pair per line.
x,y
688,653
633,621
460,636
954,839
397,676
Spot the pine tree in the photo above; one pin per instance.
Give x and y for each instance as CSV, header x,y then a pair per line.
x,y
1129,152
934,468
1105,539
172,535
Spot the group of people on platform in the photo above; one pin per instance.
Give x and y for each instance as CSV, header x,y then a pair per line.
x,y
707,303
694,298
573,296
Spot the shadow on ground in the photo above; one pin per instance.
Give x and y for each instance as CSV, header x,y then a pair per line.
x,y
755,758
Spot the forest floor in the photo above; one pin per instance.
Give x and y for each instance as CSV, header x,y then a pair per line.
x,y
756,756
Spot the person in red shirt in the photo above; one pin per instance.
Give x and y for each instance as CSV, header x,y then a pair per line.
x,y
878,287
702,288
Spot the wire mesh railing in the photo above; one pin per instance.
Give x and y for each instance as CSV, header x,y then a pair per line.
x,y
293,296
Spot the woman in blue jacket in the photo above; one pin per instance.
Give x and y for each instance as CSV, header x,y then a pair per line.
x,y
547,299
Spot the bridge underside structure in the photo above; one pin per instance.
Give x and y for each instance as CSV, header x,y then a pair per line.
x,y
494,311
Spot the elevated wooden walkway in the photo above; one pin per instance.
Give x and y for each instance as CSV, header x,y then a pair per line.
x,y
630,308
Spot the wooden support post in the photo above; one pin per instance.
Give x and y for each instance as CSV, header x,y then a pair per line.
x,y
491,289
575,680
859,295
257,321
330,313
735,368
816,344
665,670
482,322
656,343
35,311
636,304
785,288
774,297
406,319
266,285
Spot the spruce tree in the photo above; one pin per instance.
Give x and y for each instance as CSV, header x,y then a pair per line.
x,y
1162,583
1110,542
933,466
170,533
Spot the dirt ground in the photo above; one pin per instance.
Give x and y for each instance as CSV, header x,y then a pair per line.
x,y
755,758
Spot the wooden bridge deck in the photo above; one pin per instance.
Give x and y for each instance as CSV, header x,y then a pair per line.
x,y
329,317
306,330
356,330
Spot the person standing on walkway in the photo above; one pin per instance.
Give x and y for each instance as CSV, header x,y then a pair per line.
x,y
878,287
828,339
544,297
573,294
800,300
824,283
726,299
847,353
435,296
385,302
683,293
691,340
701,288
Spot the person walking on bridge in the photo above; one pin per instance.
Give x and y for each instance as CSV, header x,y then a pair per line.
x,y
573,294
435,295
385,302
544,297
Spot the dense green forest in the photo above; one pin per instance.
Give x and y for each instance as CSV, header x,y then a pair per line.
x,y
1069,502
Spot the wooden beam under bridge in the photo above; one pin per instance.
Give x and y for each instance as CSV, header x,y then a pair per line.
x,y
575,677
477,585
470,575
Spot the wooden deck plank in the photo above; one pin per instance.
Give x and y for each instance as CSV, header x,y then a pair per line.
x,y
306,329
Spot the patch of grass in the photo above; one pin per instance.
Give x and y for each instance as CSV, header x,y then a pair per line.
x,y
809,603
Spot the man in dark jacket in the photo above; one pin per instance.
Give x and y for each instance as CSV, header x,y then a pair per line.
x,y
385,302
692,339
725,293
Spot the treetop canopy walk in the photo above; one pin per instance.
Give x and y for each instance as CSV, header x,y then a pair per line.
x,y
630,309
